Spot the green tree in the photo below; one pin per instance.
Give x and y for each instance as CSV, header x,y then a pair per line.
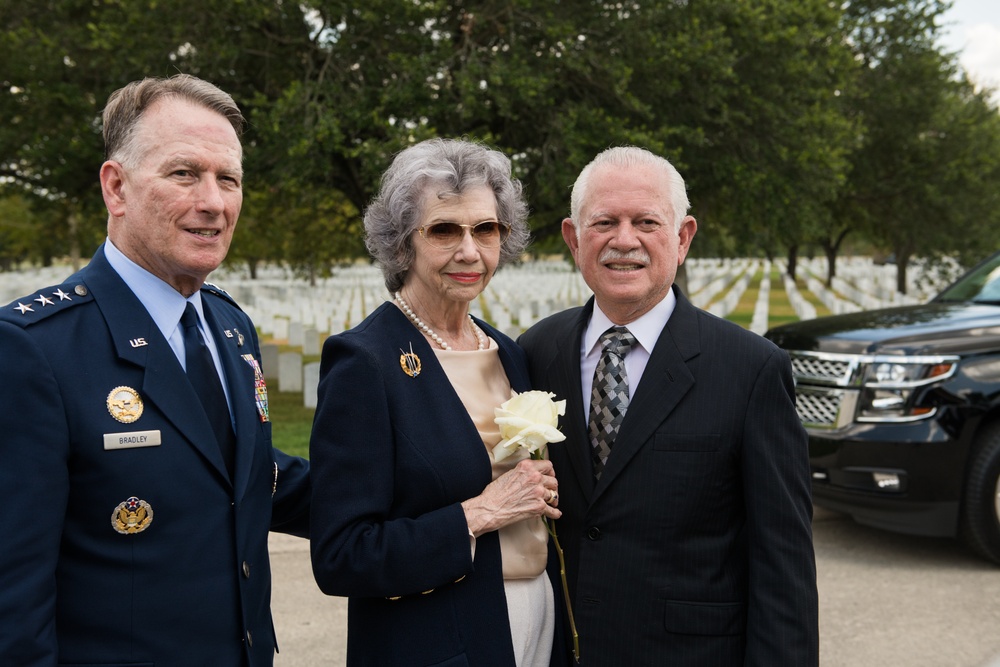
x,y
927,140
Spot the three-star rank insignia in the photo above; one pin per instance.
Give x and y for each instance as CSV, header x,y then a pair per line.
x,y
132,516
124,404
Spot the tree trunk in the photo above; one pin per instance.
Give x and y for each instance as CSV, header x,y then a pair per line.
x,y
793,258
832,248
902,262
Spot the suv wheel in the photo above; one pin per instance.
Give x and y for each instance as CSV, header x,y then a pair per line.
x,y
981,514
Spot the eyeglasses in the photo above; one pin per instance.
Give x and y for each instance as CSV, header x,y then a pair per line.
x,y
447,235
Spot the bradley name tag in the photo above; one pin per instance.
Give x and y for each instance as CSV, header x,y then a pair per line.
x,y
132,439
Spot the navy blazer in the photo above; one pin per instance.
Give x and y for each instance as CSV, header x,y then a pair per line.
x,y
393,455
192,587
695,547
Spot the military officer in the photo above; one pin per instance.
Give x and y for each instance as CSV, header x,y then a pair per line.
x,y
137,477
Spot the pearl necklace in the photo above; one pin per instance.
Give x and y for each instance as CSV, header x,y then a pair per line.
x,y
430,332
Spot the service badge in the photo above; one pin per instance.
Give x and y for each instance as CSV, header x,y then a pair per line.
x,y
132,516
124,404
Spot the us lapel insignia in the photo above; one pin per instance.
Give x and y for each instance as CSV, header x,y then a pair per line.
x,y
124,404
132,516
409,362
259,386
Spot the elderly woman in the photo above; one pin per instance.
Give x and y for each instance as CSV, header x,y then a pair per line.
x,y
441,550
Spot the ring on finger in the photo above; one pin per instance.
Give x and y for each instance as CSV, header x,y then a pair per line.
x,y
553,497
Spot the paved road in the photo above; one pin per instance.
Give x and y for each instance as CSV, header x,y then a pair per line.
x,y
885,601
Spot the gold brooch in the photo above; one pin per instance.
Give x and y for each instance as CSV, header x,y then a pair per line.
x,y
124,404
409,362
132,516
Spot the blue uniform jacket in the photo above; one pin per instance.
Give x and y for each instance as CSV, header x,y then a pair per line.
x,y
118,550
393,455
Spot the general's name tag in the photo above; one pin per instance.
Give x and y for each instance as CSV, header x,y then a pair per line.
x,y
132,439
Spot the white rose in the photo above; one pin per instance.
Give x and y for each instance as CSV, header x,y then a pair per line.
x,y
528,421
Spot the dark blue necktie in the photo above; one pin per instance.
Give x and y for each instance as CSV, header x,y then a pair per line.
x,y
203,375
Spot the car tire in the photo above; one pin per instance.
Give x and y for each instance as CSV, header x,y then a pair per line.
x,y
981,503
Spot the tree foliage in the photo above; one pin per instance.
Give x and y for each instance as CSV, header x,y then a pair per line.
x,y
794,122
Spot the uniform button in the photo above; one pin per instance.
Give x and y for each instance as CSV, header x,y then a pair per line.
x,y
594,533
246,569
80,290
249,639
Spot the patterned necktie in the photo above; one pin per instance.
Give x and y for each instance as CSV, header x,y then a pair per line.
x,y
609,397
203,375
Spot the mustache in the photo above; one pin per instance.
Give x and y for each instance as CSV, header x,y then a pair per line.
x,y
612,255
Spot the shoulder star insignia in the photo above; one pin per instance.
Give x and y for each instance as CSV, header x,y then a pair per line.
x,y
62,295
23,308
44,300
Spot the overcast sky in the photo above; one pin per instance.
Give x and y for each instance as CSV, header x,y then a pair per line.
x,y
973,30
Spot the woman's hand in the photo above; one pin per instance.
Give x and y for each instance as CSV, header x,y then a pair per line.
x,y
528,489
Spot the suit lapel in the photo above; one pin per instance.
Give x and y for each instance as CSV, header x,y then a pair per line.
x,y
128,322
240,380
664,383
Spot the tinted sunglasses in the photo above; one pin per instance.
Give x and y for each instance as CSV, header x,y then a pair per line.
x,y
447,235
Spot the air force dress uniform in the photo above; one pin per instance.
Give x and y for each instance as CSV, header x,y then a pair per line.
x,y
126,540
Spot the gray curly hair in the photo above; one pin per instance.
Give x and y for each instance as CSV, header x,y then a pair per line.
x,y
452,166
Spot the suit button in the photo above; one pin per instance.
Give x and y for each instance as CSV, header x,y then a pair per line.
x,y
249,639
594,533
246,569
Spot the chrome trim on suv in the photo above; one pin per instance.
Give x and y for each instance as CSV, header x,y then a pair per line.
x,y
828,384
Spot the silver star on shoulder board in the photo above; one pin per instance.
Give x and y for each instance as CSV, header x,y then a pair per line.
x,y
23,308
62,295
44,300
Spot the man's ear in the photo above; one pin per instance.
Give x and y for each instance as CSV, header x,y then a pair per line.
x,y
689,227
570,236
113,187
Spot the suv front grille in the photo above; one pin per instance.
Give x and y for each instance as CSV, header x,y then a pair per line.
x,y
818,409
824,394
825,369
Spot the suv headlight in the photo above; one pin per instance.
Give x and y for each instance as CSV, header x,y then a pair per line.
x,y
890,386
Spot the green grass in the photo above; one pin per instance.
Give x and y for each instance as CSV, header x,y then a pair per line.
x,y
742,314
290,421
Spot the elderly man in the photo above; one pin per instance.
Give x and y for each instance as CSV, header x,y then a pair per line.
x,y
137,477
684,480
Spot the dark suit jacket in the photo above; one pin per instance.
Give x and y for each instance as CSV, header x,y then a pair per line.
x,y
695,546
193,587
393,457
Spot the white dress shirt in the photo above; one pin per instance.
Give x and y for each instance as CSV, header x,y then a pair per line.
x,y
646,330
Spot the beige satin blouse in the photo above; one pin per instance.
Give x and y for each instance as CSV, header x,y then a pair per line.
x,y
480,381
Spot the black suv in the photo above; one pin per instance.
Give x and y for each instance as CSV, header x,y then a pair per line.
x,y
902,407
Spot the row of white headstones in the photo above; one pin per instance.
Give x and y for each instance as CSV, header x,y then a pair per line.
x,y
295,316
